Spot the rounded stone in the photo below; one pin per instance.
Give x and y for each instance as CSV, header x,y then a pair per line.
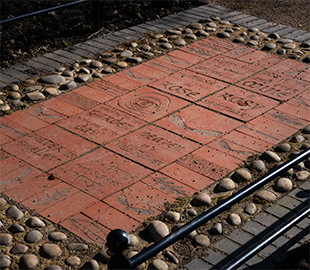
x,y
269,46
298,138
306,130
14,213
67,73
97,75
57,236
283,147
29,261
217,228
77,246
158,230
15,95
223,34
158,264
173,216
134,59
233,219
283,185
239,40
241,175
285,41
225,184
302,175
53,267
35,96
91,265
104,255
192,212
107,70
51,91
96,64
274,36
253,29
5,261
202,240
210,29
158,36
265,195
33,236
174,32
179,42
146,47
305,44
2,201
253,43
254,37
191,36
281,51
148,54
18,103
35,222
5,107
73,261
126,54
258,165
86,61
291,46
14,87
68,85
270,156
202,199
196,26
19,249
82,78
5,239
134,240
110,60
166,45
84,70
212,25
250,209
53,79
202,33
16,228
224,22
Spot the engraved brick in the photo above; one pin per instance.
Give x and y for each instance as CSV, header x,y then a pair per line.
x,y
295,34
16,74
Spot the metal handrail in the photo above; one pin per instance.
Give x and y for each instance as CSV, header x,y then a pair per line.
x,y
121,261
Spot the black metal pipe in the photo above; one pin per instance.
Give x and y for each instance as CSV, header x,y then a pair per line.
x,y
248,255
209,214
41,11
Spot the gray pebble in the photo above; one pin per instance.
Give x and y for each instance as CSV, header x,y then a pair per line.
x,y
126,54
91,265
202,240
158,36
212,25
298,138
146,47
305,44
243,34
294,154
16,228
270,156
35,222
14,87
2,201
253,43
134,240
84,70
163,40
14,213
253,29
223,34
5,261
225,184
173,216
158,230
202,33
107,70
179,42
51,250
254,37
52,79
210,29
104,255
291,46
33,88
225,22
302,175
51,91
258,165
68,85
241,175
35,96
166,46
77,246
215,18
152,43
5,239
73,261
196,26
96,64
239,40
86,61
148,54
274,36
57,236
29,261
158,264
283,147
5,107
294,56
304,146
285,40
121,64
33,236
229,30
15,95
202,199
265,195
306,130
233,219
67,73
217,228
53,267
283,185
281,51
270,46
97,75
82,78
19,249
192,212
18,103
191,36
250,209
134,59
110,60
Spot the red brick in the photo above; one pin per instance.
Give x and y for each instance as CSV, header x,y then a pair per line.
x,y
12,129
240,52
123,82
49,147
199,124
4,155
139,201
4,139
26,120
247,141
146,71
68,207
48,197
86,228
79,100
108,88
44,113
267,130
152,147
101,173
274,85
110,217
148,104
239,103
165,66
102,124
139,78
62,107
198,51
187,176
190,58
216,45
168,185
232,149
225,68
302,100
93,94
188,85
10,164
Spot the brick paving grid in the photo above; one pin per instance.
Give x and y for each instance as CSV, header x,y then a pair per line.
x,y
106,143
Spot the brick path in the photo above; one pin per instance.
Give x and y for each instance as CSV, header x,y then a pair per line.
x,y
110,154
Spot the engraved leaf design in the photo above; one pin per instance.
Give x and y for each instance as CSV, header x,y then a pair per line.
x,y
54,197
177,120
122,199
38,110
226,146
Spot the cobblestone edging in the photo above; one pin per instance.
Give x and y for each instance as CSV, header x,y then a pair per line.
x,y
21,83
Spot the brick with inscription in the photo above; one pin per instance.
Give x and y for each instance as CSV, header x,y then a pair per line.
x,y
49,147
199,124
191,59
165,66
110,217
4,139
216,45
225,68
101,124
12,129
86,228
4,155
198,51
124,82
168,185
239,52
139,201
79,100
50,196
189,85
187,176
108,88
148,104
267,130
239,103
302,100
45,114
68,207
93,94
62,107
152,146
101,173
175,61
145,71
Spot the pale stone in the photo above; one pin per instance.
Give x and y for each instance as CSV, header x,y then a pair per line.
x,y
250,209
202,240
68,85
33,236
53,79
5,239
179,42
29,261
35,222
302,175
202,199
19,249
225,184
233,219
14,213
158,230
158,264
283,185
96,64
51,91
134,240
5,261
173,216
73,261
77,247
283,147
57,236
16,228
15,95
258,165
35,96
270,156
242,175
192,212
265,195
51,250
91,265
